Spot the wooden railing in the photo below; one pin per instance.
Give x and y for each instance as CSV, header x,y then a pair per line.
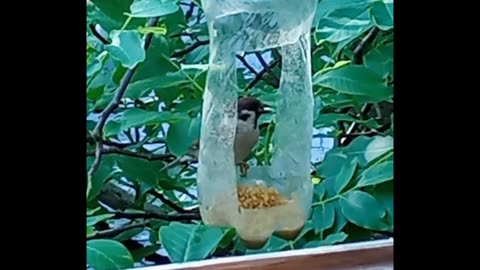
x,y
371,255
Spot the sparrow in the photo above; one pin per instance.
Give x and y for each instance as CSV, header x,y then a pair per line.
x,y
249,110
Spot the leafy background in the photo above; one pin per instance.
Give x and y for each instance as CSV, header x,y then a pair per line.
x,y
146,70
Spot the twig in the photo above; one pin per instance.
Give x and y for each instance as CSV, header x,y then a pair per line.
x,y
190,11
98,35
269,70
252,70
359,49
98,155
90,140
190,48
167,217
185,3
114,232
260,75
166,201
364,133
347,138
98,131
116,150
246,64
357,60
137,134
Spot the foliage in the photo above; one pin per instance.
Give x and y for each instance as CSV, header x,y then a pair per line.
x,y
158,117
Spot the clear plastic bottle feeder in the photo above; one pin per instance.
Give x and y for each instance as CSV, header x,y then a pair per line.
x,y
273,199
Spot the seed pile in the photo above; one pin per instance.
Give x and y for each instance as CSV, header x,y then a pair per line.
x,y
255,197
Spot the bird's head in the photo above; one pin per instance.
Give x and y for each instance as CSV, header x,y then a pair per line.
x,y
250,109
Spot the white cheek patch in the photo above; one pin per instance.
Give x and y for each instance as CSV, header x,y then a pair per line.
x,y
246,125
246,112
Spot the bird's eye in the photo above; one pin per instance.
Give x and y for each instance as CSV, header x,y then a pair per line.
x,y
243,116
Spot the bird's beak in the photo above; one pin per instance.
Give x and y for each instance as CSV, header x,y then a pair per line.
x,y
265,109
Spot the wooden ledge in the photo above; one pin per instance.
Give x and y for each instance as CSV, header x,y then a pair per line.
x,y
371,255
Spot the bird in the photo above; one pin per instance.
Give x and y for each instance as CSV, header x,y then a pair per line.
x,y
249,110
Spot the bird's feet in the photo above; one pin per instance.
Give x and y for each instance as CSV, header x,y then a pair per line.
x,y
243,168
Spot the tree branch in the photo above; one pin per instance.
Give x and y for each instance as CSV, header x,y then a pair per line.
x,y
90,140
166,217
116,150
360,48
98,131
260,74
357,60
246,64
190,48
347,138
98,35
190,11
269,70
166,201
114,232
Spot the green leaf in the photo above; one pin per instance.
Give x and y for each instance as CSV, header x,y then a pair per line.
x,y
126,47
153,8
139,88
363,148
198,55
319,191
330,119
95,66
97,16
182,134
345,175
227,239
112,128
376,174
135,117
273,244
343,24
155,63
380,60
382,14
89,186
323,216
306,229
103,254
142,170
140,253
378,146
363,210
95,93
93,211
189,105
128,234
189,242
115,10
340,219
103,172
95,219
101,103
355,80
325,7
330,240
383,193
90,231
341,45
